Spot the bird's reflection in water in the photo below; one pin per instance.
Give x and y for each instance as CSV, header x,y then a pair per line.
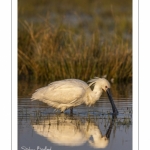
x,y
65,130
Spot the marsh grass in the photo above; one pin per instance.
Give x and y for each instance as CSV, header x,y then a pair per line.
x,y
50,54
93,45
57,119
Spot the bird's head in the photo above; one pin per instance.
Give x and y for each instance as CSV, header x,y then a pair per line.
x,y
103,84
100,83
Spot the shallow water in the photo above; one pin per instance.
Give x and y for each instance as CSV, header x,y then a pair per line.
x,y
40,127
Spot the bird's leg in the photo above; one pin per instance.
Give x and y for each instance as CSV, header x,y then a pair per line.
x,y
71,110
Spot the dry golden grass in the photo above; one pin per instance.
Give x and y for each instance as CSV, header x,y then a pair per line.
x,y
50,53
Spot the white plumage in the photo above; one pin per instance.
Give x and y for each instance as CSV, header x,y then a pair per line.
x,y
69,93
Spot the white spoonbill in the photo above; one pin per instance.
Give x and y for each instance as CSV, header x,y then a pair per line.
x,y
69,93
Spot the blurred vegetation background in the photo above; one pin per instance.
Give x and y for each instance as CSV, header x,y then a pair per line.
x,y
60,39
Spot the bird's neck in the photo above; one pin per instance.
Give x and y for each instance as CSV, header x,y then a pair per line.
x,y
94,95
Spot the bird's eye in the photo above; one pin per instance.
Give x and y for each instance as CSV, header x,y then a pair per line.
x,y
106,87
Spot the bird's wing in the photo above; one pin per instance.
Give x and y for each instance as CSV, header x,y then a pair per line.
x,y
63,92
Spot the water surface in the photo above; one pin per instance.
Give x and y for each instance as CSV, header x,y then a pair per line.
x,y
40,127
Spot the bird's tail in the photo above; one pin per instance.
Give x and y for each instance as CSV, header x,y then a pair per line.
x,y
38,95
